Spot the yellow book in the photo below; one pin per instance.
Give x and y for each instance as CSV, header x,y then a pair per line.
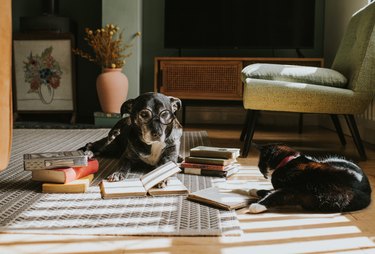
x,y
77,186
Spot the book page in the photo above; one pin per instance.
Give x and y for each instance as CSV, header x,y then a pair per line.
x,y
159,174
128,187
174,187
222,198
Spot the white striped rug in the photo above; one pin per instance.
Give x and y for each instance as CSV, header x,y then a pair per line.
x,y
24,209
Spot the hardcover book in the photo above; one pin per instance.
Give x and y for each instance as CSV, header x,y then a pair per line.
x,y
76,186
65,175
185,164
215,152
146,184
231,170
38,161
206,160
220,198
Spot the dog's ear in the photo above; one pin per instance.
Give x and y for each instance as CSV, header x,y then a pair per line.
x,y
176,103
127,106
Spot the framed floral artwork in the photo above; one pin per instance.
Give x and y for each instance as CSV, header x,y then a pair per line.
x,y
43,72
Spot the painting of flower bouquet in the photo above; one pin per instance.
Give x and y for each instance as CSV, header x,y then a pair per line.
x,y
43,73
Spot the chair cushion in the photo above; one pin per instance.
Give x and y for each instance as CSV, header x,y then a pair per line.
x,y
275,95
295,73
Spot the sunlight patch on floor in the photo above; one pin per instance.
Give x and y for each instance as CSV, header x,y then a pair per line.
x,y
267,215
292,222
292,234
319,246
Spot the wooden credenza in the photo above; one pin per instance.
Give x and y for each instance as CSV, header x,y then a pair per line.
x,y
210,78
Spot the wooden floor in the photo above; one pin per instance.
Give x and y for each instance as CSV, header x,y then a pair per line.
x,y
277,232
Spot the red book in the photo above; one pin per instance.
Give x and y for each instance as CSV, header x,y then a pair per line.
x,y
65,175
203,166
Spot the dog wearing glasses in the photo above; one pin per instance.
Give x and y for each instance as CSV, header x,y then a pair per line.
x,y
148,137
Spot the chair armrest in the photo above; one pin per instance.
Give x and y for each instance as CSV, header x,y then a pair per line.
x,y
295,73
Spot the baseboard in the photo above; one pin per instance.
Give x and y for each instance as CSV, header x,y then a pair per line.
x,y
235,115
215,115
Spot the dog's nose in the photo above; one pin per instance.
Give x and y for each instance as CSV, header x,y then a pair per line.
x,y
156,134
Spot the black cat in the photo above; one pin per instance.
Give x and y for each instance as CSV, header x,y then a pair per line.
x,y
322,185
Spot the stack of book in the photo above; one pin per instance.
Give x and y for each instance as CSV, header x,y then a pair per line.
x,y
61,172
211,161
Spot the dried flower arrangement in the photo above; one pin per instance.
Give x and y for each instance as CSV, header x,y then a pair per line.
x,y
107,46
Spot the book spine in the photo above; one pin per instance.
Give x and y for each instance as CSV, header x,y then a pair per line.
x,y
76,186
91,168
212,154
202,166
204,172
213,161
72,174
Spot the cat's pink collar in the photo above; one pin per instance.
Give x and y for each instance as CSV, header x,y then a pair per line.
x,y
286,160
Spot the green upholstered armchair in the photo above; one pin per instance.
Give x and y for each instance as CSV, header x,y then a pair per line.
x,y
347,88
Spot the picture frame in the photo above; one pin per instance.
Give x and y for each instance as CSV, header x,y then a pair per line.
x,y
44,73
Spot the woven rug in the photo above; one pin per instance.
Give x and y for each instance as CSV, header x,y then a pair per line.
x,y
24,209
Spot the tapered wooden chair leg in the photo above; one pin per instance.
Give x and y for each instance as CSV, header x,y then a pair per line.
x,y
340,133
350,120
250,132
244,129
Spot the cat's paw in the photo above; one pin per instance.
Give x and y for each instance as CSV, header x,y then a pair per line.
x,y
257,208
116,177
248,192
241,191
253,193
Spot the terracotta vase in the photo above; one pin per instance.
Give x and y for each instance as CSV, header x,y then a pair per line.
x,y
112,86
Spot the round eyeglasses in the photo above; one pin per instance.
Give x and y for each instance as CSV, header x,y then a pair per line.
x,y
146,115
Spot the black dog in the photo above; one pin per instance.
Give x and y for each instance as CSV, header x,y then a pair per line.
x,y
148,137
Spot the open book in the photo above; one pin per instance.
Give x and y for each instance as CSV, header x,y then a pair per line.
x,y
146,184
221,198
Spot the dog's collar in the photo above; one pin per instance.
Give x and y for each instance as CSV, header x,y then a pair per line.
x,y
287,159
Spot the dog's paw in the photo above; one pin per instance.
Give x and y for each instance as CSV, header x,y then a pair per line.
x,y
113,134
89,154
180,159
116,177
257,208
